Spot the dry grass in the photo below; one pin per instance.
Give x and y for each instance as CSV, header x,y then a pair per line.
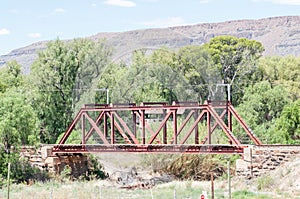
x,y
105,190
281,183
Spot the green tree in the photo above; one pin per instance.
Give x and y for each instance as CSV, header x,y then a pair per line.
x,y
150,77
18,121
262,105
11,76
284,71
195,63
18,124
288,125
236,60
62,73
109,79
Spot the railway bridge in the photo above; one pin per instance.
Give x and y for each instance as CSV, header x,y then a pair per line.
x,y
182,127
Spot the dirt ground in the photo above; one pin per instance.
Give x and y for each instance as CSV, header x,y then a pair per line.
x,y
284,182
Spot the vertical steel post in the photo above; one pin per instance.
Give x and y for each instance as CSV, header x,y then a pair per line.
x,y
105,125
228,90
208,127
229,115
107,96
196,128
112,127
175,125
134,123
165,129
143,128
83,129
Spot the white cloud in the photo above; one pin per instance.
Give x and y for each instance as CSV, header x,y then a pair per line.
x,y
59,10
121,3
287,2
4,31
94,5
204,1
151,1
168,22
34,35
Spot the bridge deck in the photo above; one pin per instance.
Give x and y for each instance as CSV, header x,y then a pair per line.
x,y
155,148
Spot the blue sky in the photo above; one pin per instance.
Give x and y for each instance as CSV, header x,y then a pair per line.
x,y
23,22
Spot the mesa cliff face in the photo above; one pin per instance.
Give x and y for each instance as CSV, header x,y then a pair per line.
x,y
279,35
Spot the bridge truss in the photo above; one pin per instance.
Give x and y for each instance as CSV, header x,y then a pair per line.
x,y
184,127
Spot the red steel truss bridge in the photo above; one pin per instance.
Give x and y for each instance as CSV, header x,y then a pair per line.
x,y
183,127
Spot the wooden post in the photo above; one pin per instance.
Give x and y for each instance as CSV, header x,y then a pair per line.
x,y
8,180
174,193
251,167
51,193
229,181
100,194
212,185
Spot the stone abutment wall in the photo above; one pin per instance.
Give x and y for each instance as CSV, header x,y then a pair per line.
x,y
45,160
259,160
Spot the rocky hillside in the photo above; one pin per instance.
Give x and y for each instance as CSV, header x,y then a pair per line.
x,y
279,35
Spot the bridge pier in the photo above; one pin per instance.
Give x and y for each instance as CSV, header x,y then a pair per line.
x,y
78,164
259,160
44,159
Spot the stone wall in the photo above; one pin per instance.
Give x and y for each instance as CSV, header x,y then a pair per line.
x,y
259,160
43,159
256,161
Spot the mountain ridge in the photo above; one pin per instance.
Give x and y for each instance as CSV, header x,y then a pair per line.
x,y
279,35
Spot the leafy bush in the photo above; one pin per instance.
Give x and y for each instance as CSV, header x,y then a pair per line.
x,y
95,169
66,172
21,170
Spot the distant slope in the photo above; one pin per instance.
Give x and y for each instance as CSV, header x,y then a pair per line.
x,y
279,35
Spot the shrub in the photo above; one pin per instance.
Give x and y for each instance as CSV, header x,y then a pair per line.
x,y
196,167
95,169
265,182
21,170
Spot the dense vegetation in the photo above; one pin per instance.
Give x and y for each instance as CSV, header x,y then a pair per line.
x,y
37,108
